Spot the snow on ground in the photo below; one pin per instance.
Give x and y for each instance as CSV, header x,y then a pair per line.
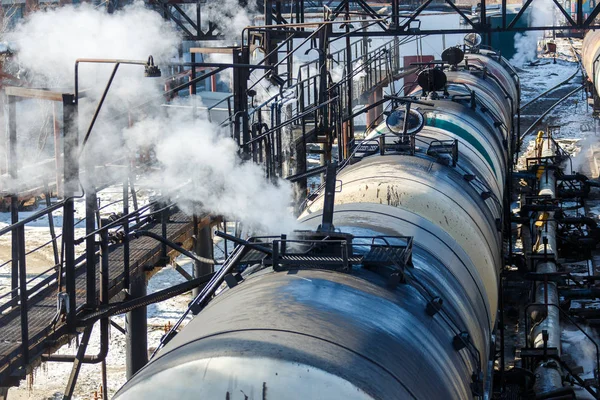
x,y
539,78
582,351
578,130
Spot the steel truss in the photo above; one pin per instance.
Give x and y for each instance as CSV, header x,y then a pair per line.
x,y
397,20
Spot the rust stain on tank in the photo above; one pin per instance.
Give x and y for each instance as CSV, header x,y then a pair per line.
x,y
393,197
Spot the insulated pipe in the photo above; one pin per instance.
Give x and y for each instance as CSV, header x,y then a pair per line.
x,y
548,376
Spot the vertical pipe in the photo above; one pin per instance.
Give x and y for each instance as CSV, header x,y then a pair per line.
x,y
395,14
482,14
126,272
51,226
13,167
136,325
213,83
104,296
3,150
240,104
196,244
501,323
23,295
348,127
58,162
104,381
198,20
193,74
71,174
91,202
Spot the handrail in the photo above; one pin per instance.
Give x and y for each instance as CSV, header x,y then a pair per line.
x,y
32,218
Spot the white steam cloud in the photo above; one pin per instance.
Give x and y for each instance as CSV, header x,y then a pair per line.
x,y
541,13
229,17
196,164
49,42
195,153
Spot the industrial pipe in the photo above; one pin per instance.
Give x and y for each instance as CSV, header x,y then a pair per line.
x,y
547,332
95,359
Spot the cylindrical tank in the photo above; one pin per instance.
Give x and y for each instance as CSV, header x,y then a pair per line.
x,y
312,333
590,57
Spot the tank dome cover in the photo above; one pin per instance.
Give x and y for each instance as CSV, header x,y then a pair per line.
x,y
432,79
395,121
472,39
453,55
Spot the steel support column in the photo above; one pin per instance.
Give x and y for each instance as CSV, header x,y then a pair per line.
x,y
203,247
126,272
91,204
57,150
13,168
3,141
136,325
348,127
71,187
240,96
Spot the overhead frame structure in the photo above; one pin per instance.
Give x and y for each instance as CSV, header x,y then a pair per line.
x,y
397,21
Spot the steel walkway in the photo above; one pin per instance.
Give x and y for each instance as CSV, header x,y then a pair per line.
x,y
45,331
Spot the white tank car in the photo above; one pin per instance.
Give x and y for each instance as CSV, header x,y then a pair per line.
x,y
418,325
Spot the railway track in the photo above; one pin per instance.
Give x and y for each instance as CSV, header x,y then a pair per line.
x,y
535,112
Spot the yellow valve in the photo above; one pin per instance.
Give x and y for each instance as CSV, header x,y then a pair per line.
x,y
540,171
541,219
539,141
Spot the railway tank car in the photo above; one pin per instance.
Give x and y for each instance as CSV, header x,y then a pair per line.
x,y
590,53
391,292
